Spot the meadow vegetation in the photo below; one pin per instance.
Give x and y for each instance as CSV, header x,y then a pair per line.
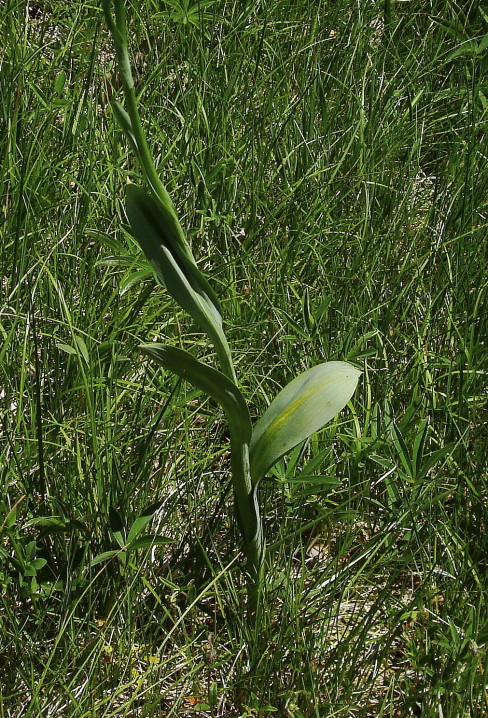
x,y
327,161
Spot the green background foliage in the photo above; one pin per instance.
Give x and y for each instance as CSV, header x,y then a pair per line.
x,y
328,163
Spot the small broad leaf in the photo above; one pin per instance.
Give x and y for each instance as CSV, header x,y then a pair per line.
x,y
142,520
149,540
300,409
105,556
134,278
38,563
11,518
60,82
66,348
80,349
80,343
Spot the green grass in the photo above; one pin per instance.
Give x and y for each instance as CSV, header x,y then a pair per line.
x,y
330,170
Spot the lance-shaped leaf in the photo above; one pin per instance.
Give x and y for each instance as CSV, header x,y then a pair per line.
x,y
300,409
175,267
209,380
155,218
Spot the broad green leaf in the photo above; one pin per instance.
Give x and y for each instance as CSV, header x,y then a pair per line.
x,y
30,550
134,278
81,349
38,563
469,48
209,380
432,459
11,518
60,82
175,267
300,409
66,348
80,343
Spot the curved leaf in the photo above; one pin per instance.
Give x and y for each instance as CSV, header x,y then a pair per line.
x,y
155,229
300,409
142,520
209,380
105,556
173,264
149,540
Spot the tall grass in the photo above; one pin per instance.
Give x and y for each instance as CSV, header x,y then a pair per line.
x,y
332,167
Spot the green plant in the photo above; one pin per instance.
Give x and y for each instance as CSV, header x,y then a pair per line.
x,y
299,410
184,13
22,562
128,539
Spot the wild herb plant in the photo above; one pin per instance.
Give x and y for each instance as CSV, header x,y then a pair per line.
x,y
299,410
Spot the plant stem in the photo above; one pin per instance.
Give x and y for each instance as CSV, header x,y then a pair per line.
x,y
118,30
248,518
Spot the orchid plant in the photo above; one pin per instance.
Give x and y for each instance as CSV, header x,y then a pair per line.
x,y
299,410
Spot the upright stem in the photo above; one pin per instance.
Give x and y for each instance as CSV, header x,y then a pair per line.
x,y
248,518
118,30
